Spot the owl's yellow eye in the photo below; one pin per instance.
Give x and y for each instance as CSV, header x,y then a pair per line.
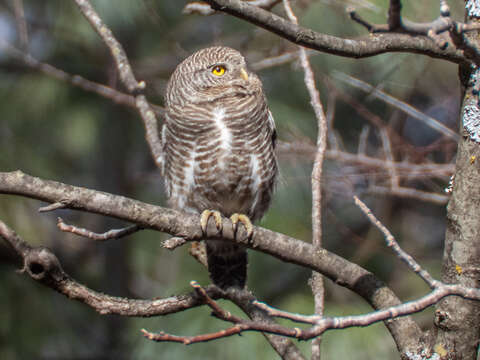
x,y
218,70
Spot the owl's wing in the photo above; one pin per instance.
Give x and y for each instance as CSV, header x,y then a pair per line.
x,y
271,125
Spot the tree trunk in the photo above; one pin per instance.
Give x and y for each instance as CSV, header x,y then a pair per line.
x,y
457,321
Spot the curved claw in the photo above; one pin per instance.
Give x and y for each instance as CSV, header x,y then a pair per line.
x,y
206,215
236,218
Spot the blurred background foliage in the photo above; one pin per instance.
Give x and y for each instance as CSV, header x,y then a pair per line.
x,y
56,131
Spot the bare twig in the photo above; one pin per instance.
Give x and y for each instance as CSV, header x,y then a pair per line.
x,y
126,75
278,60
392,243
373,45
406,108
363,140
186,225
21,24
203,8
387,147
55,206
410,193
107,92
111,234
321,324
371,117
370,165
433,29
461,41
440,291
174,242
403,168
43,266
317,285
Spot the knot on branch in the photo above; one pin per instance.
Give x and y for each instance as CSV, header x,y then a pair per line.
x,y
41,264
305,36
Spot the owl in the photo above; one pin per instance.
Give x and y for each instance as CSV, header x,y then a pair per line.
x,y
218,143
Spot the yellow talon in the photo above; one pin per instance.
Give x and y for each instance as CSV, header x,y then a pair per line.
x,y
206,215
235,218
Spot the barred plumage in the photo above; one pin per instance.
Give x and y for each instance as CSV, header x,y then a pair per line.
x,y
219,139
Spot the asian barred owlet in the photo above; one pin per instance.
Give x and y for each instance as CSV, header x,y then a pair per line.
x,y
218,141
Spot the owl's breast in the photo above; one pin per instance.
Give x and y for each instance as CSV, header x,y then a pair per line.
x,y
223,161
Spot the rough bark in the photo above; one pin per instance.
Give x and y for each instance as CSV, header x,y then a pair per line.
x,y
457,321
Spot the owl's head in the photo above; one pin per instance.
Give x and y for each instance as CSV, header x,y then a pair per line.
x,y
210,74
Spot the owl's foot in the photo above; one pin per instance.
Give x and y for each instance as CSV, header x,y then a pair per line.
x,y
236,218
206,215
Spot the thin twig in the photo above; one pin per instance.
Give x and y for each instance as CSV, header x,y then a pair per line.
x,y
392,243
108,235
406,108
54,206
403,168
107,92
174,242
410,193
135,87
21,24
433,29
203,8
387,147
394,15
440,291
317,285
43,266
185,225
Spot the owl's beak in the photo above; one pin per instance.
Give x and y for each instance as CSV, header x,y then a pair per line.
x,y
244,74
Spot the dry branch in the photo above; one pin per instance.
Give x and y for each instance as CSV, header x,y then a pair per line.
x,y
43,266
184,225
316,282
366,47
125,71
107,92
110,234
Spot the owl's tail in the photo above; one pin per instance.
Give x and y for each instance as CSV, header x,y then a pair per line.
x,y
227,264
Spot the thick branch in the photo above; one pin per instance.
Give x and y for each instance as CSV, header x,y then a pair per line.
x,y
43,266
339,270
366,47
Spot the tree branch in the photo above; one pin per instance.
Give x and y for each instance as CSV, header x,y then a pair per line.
x,y
405,332
135,87
43,266
110,234
316,281
107,92
366,47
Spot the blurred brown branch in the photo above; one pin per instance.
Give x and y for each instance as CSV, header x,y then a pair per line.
x,y
107,92
404,170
